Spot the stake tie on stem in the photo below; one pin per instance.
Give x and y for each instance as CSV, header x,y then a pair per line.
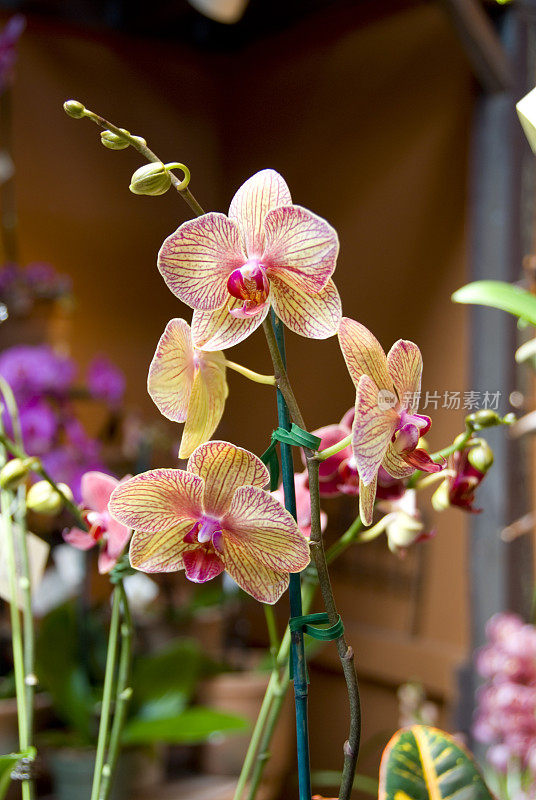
x,y
297,437
308,624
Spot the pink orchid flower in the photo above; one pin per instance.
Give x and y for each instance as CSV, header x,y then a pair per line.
x,y
188,385
212,516
386,428
112,536
267,252
303,504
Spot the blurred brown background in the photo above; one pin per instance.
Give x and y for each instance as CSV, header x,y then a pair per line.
x,y
365,109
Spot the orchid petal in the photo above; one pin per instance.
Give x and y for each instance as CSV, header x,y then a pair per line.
x,y
363,354
405,367
157,500
256,197
197,259
394,464
217,330
96,488
367,496
80,539
106,561
263,583
330,435
314,315
224,468
172,370
160,551
117,539
202,565
268,532
372,430
207,402
301,246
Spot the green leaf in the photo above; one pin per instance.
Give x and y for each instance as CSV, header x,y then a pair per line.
x,y
8,764
497,294
192,726
423,763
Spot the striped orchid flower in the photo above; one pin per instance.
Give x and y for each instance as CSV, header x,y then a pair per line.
x,y
386,428
211,517
267,252
188,385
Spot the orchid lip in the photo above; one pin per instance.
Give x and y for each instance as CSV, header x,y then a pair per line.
x,y
206,530
249,283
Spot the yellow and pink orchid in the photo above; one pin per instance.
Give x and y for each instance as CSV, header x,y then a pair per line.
x,y
214,515
188,385
267,252
386,428
112,536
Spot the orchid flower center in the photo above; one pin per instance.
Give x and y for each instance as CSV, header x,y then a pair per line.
x,y
249,283
207,532
98,523
406,438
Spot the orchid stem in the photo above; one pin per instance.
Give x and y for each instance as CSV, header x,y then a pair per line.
x,y
322,455
272,632
123,694
138,144
346,655
104,725
249,373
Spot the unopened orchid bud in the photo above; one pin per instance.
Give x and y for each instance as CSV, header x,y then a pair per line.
x,y
43,497
139,140
403,531
74,109
481,457
440,498
152,179
15,471
509,418
114,142
485,418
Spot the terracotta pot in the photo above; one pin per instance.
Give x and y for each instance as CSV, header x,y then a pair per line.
x,y
72,773
242,693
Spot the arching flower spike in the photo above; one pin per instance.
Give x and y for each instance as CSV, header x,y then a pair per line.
x,y
212,516
188,385
386,428
267,252
112,536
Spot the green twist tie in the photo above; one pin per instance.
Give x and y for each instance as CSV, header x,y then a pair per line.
x,y
296,437
308,624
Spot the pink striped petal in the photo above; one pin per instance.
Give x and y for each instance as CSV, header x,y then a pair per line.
x,y
363,354
197,259
372,430
207,402
405,367
256,197
263,583
217,330
161,551
202,565
314,315
80,539
395,465
367,497
257,522
157,500
172,370
96,488
301,246
224,468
